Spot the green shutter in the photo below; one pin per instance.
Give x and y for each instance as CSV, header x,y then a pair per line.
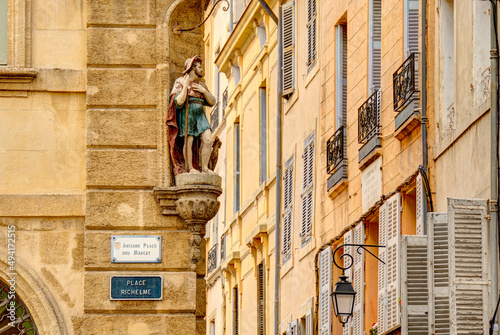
x,y
3,32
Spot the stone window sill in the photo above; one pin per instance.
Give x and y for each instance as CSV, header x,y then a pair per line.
x,y
16,82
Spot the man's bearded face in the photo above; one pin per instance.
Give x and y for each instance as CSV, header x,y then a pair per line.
x,y
198,70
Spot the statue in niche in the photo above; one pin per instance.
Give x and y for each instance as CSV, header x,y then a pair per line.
x,y
191,153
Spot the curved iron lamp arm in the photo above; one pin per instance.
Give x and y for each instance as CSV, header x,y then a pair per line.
x,y
360,246
225,8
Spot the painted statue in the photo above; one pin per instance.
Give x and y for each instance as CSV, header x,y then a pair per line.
x,y
190,153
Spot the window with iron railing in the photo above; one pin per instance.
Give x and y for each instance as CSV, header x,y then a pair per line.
x,y
404,83
212,259
335,150
369,118
214,117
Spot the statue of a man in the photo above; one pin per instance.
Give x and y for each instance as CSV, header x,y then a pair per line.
x,y
190,153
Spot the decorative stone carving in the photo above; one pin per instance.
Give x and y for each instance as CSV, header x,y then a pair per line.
x,y
194,199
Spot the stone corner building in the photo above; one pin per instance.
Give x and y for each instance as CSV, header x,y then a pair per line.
x,y
84,89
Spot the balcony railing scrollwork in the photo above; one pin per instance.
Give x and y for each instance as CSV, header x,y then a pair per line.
x,y
212,259
335,148
405,82
369,118
214,117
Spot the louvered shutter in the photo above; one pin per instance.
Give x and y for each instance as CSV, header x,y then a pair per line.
x,y
375,54
414,290
419,198
468,266
3,32
349,273
261,302
311,32
340,75
309,322
393,244
287,210
411,26
359,281
382,270
294,327
235,311
325,290
289,330
288,38
307,189
438,264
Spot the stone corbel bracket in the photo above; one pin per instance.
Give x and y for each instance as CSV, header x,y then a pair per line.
x,y
194,200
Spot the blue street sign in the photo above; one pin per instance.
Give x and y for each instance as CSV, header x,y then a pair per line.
x,y
136,288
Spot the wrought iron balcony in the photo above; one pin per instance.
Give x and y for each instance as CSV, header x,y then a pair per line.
x,y
214,117
225,98
404,82
223,247
369,118
335,150
212,259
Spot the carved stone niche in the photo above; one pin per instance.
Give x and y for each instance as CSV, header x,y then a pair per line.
x,y
193,199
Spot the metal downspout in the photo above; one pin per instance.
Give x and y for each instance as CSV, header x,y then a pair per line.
x,y
494,160
424,103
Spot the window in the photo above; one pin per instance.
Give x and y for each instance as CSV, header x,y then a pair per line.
x,y
325,290
3,32
311,33
375,46
340,75
212,327
411,27
263,135
261,32
306,323
307,190
288,38
236,166
236,313
235,70
447,61
287,210
261,299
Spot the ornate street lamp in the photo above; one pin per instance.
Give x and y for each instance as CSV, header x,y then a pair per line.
x,y
343,295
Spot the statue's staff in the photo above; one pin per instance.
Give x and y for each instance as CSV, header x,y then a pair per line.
x,y
186,132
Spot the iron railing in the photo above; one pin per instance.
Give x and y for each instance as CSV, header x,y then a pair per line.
x,y
369,118
404,82
225,98
223,247
212,259
214,117
335,148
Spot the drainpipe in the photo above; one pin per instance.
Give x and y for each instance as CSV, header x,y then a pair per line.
x,y
424,119
494,160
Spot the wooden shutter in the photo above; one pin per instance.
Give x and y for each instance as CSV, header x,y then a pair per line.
x,y
311,32
393,244
348,239
307,190
325,290
375,45
358,281
288,38
382,270
261,301
419,198
287,210
3,32
235,311
294,327
468,243
414,282
340,75
263,135
237,151
438,270
411,26
309,322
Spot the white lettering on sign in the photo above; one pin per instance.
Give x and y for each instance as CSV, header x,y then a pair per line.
x,y
135,249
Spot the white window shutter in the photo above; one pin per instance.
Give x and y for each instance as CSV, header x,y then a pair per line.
x,y
309,322
414,282
438,270
289,330
349,273
307,190
325,290
294,327
340,75
468,243
393,244
287,210
411,26
288,38
375,45
311,32
419,198
359,281
382,270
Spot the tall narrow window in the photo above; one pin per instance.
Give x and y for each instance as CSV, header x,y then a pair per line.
x,y
447,64
288,38
3,32
261,299
411,27
311,32
263,135
375,46
307,190
340,75
287,210
236,167
236,329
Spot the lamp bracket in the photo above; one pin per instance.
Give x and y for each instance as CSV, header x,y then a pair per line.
x,y
178,31
358,250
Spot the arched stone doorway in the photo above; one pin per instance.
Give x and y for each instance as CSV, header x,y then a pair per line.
x,y
15,318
